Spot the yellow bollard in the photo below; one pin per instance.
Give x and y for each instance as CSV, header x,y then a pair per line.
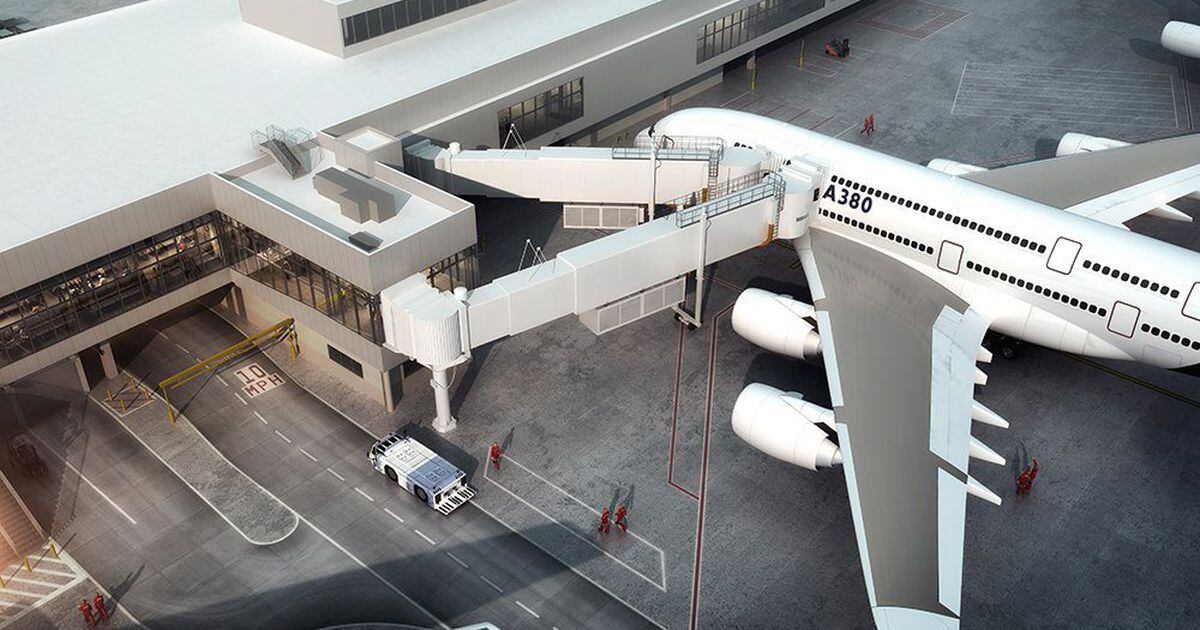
x,y
109,390
54,551
2,584
802,53
27,567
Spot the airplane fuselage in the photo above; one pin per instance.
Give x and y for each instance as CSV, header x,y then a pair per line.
x,y
1038,273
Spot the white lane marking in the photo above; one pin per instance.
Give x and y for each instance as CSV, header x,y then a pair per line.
x,y
393,515
85,479
177,345
38,582
427,539
285,438
491,584
308,455
330,471
260,417
223,382
527,609
662,562
441,624
164,335
365,495
240,399
455,558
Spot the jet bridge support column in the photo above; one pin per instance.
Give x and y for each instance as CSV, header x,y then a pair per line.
x,y
443,421
695,318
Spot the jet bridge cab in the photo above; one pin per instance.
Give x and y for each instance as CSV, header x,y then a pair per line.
x,y
414,467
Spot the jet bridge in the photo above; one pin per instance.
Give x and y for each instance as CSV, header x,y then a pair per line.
x,y
610,281
599,186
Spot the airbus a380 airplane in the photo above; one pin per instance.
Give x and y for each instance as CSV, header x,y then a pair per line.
x,y
908,268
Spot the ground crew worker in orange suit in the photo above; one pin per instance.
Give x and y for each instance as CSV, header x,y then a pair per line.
x,y
98,602
494,454
604,525
868,125
621,518
86,609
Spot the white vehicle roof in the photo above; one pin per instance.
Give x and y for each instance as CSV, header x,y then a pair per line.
x,y
415,461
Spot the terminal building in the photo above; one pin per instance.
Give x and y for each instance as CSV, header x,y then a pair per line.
x,y
305,159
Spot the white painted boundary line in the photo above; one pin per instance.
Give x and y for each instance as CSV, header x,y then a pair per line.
x,y
441,624
367,496
288,439
489,513
661,585
661,556
243,400
200,435
526,608
491,583
264,420
330,471
455,558
81,475
956,92
427,539
309,455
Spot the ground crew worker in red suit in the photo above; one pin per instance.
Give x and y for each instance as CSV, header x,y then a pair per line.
x,y
98,602
494,454
868,125
604,525
1025,481
86,609
621,518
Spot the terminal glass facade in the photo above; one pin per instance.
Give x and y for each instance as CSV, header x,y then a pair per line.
x,y
395,16
543,113
747,23
56,308
278,267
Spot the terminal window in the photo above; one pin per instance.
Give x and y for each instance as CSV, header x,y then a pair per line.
x,y
748,23
342,359
395,16
278,267
543,113
39,316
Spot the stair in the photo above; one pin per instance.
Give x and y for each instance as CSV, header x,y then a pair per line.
x,y
284,155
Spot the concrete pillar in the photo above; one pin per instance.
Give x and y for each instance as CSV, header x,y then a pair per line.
x,y
18,410
235,303
108,361
443,422
84,385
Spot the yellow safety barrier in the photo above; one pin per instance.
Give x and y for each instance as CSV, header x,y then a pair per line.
x,y
283,331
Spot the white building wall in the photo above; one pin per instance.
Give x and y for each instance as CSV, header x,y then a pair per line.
x,y
83,242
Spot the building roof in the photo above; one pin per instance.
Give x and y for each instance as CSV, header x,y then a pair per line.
x,y
108,109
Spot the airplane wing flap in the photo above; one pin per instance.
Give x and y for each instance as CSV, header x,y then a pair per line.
x,y
902,351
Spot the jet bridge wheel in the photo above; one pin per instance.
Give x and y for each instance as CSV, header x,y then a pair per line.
x,y
391,474
421,494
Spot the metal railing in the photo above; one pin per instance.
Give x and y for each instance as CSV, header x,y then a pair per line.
x,y
720,190
673,148
770,185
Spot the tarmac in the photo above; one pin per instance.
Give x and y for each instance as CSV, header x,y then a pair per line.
x,y
641,414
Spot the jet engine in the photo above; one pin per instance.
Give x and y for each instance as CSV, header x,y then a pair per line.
x,y
1073,143
784,426
777,323
950,167
1182,38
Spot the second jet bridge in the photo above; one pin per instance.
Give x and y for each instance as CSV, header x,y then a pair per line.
x,y
587,180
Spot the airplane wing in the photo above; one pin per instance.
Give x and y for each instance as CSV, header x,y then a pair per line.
x,y
900,354
1113,185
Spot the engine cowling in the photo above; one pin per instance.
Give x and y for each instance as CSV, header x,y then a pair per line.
x,y
950,167
777,323
1072,143
1182,38
784,426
